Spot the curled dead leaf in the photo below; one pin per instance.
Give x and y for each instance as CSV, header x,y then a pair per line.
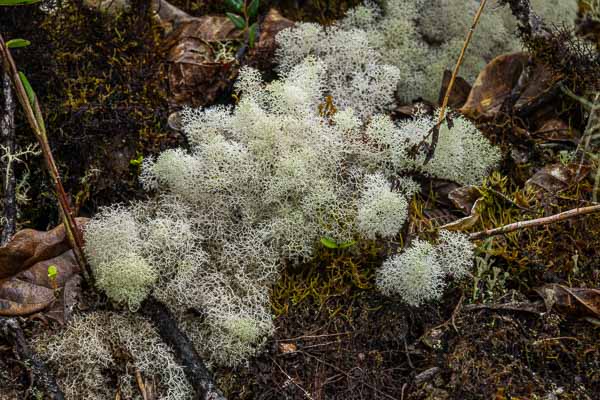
x,y
497,82
29,246
464,197
574,301
30,289
262,56
467,222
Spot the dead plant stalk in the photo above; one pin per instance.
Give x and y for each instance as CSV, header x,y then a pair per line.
x,y
463,51
535,222
34,118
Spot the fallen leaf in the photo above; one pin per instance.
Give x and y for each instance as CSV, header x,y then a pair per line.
x,y
460,91
262,56
555,130
21,298
29,256
467,222
201,54
557,177
29,246
497,80
573,301
464,197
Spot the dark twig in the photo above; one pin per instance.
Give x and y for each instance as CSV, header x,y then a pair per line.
x,y
195,370
7,135
41,377
509,200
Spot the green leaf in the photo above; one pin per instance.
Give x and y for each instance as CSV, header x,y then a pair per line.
x,y
236,5
345,245
329,243
52,271
253,8
237,20
252,35
17,2
16,43
28,88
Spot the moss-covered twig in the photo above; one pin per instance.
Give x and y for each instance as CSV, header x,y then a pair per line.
x,y
34,117
41,377
535,222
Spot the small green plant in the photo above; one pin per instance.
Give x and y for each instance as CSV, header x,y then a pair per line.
x,y
52,274
332,244
245,13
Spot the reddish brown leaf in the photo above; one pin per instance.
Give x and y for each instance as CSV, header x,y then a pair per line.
x,y
464,197
263,54
460,90
21,298
28,256
467,222
29,246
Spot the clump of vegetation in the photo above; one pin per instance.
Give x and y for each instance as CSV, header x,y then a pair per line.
x,y
420,39
418,274
267,180
97,342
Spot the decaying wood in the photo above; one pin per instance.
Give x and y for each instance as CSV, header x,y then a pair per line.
x,y
42,378
7,135
195,370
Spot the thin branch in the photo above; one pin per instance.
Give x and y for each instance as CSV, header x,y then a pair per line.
x,y
34,117
436,130
535,222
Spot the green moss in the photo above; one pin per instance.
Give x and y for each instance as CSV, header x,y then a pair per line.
x,y
331,274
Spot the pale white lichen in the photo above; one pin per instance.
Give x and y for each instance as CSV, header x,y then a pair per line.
x,y
415,275
382,211
95,343
263,182
419,38
455,253
419,274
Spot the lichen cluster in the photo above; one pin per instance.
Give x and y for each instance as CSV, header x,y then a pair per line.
x,y
265,181
414,41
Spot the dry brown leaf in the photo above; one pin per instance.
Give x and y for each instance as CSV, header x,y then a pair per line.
x,y
460,90
262,56
467,222
497,80
573,301
29,246
464,197
28,256
557,177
